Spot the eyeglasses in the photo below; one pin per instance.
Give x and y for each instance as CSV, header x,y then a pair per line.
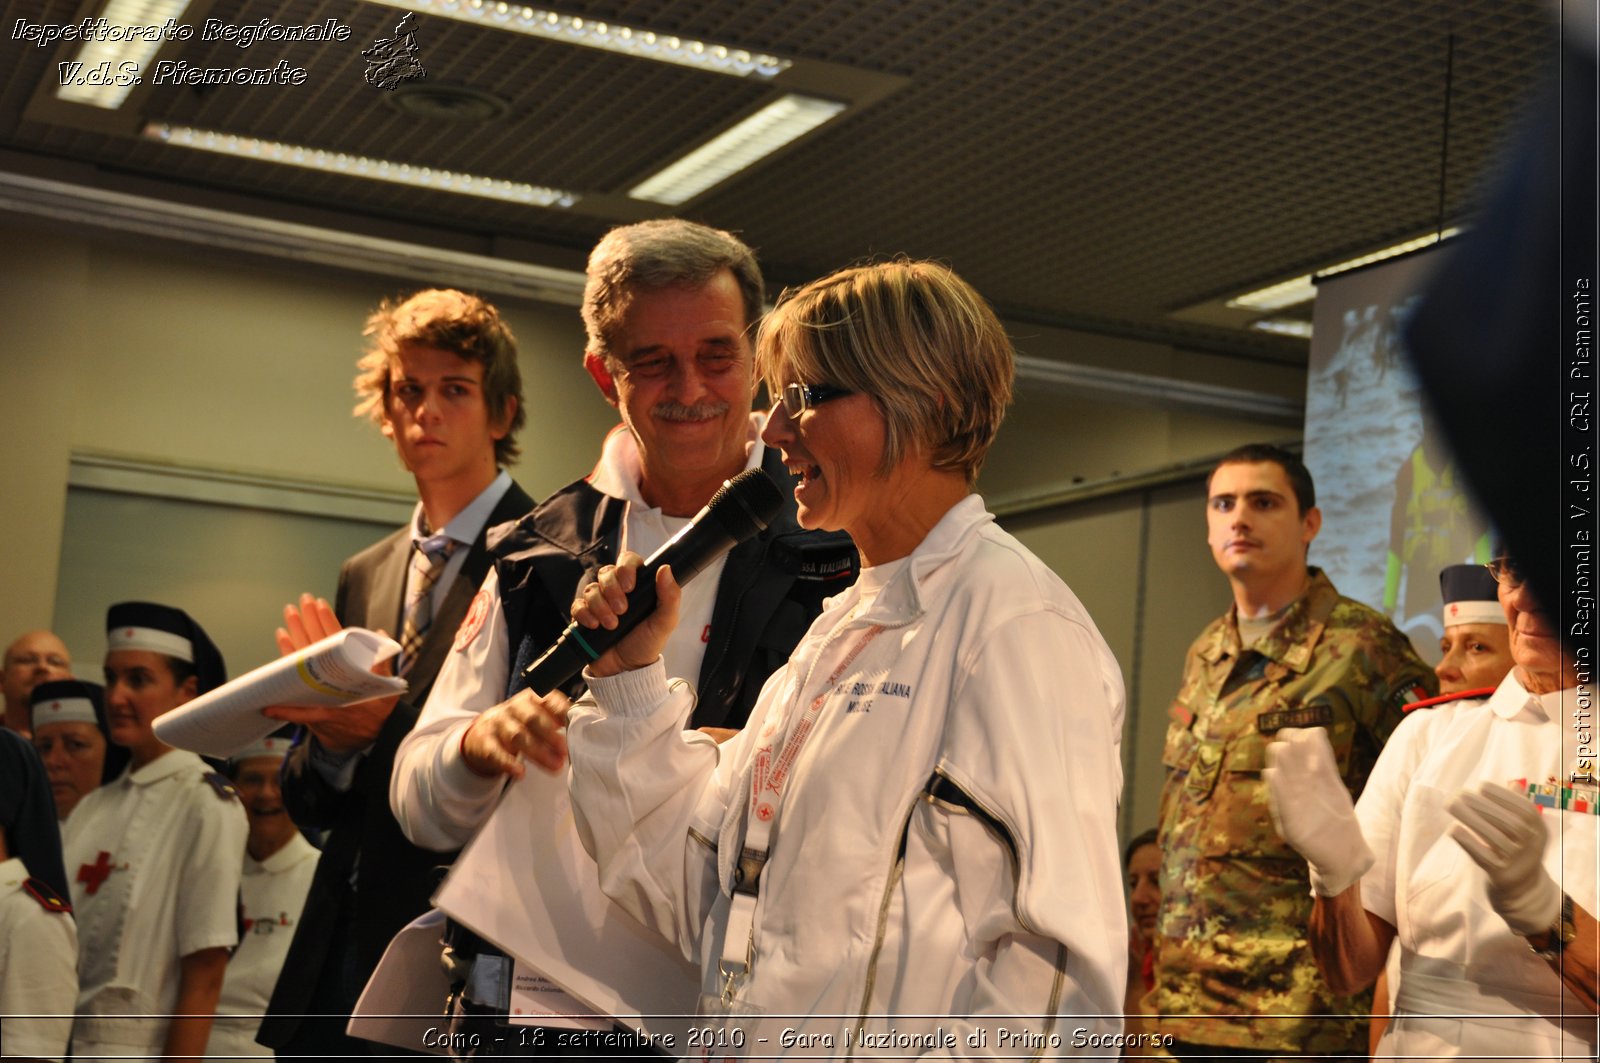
x,y
797,398
1506,570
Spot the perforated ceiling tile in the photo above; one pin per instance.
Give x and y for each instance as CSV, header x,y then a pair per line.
x,y
1082,161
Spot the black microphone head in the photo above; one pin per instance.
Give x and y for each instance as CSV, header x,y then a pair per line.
x,y
746,504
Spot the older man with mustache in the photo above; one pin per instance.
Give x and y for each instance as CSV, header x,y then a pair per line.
x,y
669,307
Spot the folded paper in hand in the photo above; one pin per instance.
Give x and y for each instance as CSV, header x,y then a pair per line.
x,y
526,883
335,671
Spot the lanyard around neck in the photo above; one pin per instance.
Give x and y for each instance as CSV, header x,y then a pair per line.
x,y
773,768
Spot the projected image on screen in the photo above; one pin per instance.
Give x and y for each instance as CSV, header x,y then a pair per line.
x,y
1394,508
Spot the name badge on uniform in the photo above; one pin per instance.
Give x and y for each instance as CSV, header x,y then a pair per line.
x,y
1305,716
832,558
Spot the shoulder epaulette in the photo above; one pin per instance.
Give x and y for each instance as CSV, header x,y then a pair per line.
x,y
221,784
48,899
1445,699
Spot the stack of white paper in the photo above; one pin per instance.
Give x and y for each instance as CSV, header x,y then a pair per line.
x,y
335,671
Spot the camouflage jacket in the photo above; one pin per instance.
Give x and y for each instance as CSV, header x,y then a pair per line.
x,y
1231,941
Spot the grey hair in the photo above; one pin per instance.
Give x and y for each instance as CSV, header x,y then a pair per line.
x,y
659,254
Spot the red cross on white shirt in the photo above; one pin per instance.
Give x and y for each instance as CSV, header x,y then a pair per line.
x,y
92,875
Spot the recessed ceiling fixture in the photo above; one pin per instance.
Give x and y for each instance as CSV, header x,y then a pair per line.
x,y
445,103
133,32
781,121
1284,326
359,166
610,36
1303,289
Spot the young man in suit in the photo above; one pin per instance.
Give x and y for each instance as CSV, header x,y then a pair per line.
x,y
441,381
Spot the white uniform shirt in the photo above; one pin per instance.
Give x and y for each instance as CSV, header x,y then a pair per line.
x,y
153,858
1458,957
273,891
38,969
439,801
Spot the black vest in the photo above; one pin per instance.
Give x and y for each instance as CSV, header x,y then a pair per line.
x,y
772,588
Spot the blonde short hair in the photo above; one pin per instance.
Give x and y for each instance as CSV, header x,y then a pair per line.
x,y
449,320
918,339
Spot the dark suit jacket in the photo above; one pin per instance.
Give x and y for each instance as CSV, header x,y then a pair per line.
x,y
394,878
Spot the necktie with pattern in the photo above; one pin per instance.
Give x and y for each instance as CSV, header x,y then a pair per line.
x,y
428,559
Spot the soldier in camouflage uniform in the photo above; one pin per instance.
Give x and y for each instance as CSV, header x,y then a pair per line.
x,y
1231,949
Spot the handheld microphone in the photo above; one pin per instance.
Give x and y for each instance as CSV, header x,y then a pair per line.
x,y
740,510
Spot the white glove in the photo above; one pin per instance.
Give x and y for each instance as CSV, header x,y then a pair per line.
x,y
1504,834
1312,809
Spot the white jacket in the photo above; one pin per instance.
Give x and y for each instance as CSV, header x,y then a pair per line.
x,y
969,921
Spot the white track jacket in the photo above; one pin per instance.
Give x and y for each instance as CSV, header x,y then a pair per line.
x,y
943,872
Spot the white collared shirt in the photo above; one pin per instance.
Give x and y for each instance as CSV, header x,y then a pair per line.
x,y
272,895
647,529
1423,882
172,845
38,969
438,800
463,528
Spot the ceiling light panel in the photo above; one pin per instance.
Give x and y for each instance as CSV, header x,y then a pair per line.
x,y
359,166
778,123
127,31
1389,252
1284,326
1303,289
607,36
1278,296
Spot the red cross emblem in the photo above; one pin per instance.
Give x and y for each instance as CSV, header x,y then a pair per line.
x,y
92,875
477,613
